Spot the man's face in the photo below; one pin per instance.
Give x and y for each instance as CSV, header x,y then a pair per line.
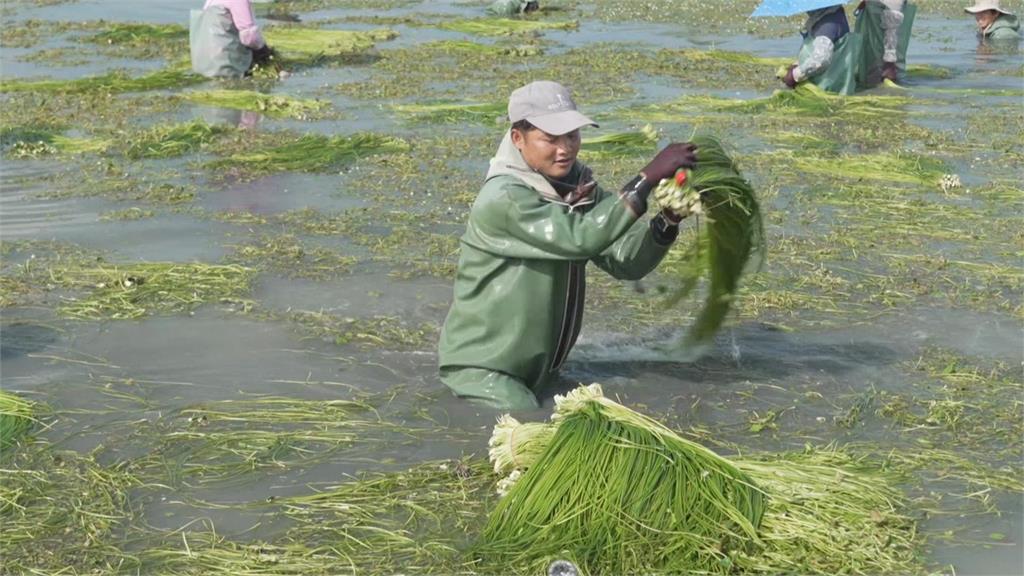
x,y
985,18
552,156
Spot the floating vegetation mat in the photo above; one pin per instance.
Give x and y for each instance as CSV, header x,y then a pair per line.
x,y
15,420
467,46
454,112
172,140
306,45
736,57
617,493
139,35
806,99
113,82
225,441
119,292
619,143
311,153
732,237
506,26
895,167
34,143
272,105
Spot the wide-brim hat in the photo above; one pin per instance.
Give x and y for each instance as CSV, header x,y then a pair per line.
x,y
983,5
548,106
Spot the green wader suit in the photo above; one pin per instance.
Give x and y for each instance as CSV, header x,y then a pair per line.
x,y
872,44
1004,32
520,285
840,77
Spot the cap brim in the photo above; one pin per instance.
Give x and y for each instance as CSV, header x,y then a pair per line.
x,y
561,122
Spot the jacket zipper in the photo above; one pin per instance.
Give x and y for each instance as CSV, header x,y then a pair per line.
x,y
568,319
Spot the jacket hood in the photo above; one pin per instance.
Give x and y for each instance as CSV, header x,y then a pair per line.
x,y
1003,21
577,187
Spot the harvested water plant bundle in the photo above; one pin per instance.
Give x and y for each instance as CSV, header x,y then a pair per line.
x,y
733,231
618,493
15,419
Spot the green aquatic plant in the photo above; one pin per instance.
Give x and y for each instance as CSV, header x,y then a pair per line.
x,y
311,153
506,26
300,45
119,292
807,496
272,105
732,237
112,82
736,57
896,167
36,142
619,143
139,34
454,112
617,492
15,419
170,140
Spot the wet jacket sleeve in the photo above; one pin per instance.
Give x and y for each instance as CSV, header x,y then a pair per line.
x,y
638,251
516,222
822,50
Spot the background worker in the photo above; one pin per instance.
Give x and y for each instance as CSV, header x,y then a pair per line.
x,y
512,7
995,25
225,40
538,220
889,14
822,32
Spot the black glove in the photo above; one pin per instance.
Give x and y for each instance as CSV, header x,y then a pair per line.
x,y
665,164
671,158
788,79
263,55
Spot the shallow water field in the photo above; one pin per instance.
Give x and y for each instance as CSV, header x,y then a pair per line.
x,y
221,300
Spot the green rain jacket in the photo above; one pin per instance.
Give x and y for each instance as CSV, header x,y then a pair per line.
x,y
1004,28
521,282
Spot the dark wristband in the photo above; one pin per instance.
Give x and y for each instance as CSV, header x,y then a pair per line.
x,y
663,230
635,194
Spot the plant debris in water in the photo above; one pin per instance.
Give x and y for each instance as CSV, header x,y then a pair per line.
x,y
311,153
506,26
112,82
16,420
272,105
172,140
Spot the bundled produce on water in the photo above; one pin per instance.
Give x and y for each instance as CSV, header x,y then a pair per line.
x,y
615,492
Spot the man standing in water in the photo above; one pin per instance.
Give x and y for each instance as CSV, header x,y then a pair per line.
x,y
996,26
537,221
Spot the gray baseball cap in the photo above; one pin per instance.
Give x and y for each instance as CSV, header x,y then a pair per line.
x,y
548,106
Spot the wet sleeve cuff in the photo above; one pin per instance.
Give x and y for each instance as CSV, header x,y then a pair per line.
x,y
663,230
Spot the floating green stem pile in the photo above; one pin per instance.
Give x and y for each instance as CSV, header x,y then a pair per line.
x,y
136,290
36,142
113,82
620,143
306,45
312,153
733,234
824,511
895,167
454,112
272,105
15,420
506,26
618,493
135,34
172,140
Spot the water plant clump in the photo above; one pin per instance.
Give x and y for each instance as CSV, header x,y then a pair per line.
x,y
311,153
170,140
272,105
127,291
617,492
454,112
300,45
805,496
138,34
506,26
617,144
733,235
16,420
37,143
112,82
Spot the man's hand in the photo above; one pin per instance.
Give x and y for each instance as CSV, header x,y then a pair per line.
x,y
789,80
671,158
